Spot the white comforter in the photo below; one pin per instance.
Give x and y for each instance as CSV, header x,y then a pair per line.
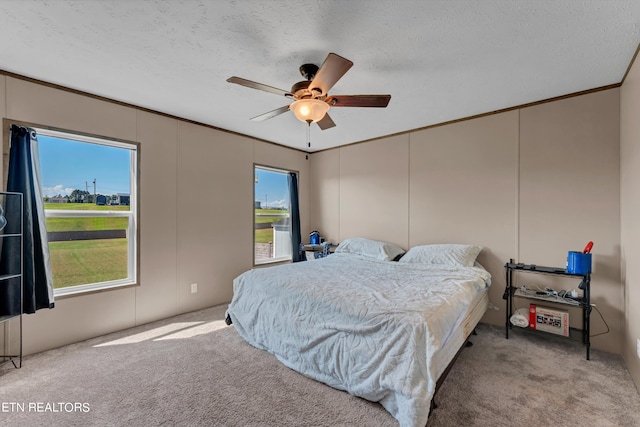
x,y
365,326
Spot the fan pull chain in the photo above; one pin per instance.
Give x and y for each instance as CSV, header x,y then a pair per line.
x,y
309,135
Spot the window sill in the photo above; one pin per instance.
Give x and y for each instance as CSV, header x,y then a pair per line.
x,y
81,290
271,262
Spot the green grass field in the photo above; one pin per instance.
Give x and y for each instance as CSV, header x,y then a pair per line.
x,y
262,215
265,235
84,224
79,262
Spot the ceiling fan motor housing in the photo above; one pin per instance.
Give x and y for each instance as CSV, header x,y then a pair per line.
x,y
308,71
301,90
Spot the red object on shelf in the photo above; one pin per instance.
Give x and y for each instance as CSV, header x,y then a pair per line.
x,y
587,249
532,316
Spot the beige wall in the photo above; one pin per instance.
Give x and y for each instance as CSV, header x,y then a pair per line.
x,y
3,104
374,190
215,179
158,199
196,202
324,193
528,184
630,215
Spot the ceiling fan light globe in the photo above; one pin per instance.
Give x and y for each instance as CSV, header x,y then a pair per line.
x,y
309,110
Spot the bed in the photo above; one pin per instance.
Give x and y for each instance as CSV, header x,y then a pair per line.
x,y
358,321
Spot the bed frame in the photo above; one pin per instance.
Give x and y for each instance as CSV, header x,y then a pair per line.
x,y
442,377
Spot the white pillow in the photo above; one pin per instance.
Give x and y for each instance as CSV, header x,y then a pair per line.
x,y
445,254
370,248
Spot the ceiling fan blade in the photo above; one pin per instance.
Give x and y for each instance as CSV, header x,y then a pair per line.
x,y
271,114
332,69
326,122
358,100
253,85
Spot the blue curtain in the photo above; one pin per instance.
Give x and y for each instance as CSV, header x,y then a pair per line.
x,y
24,177
294,211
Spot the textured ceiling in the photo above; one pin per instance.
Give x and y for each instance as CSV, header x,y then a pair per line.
x,y
440,60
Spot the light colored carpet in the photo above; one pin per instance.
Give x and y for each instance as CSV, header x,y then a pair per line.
x,y
193,370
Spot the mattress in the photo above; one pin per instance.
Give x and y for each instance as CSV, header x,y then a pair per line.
x,y
461,332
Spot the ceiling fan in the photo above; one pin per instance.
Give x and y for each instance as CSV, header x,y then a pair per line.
x,y
311,96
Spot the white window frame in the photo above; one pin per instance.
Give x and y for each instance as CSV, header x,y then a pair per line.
x,y
269,260
132,278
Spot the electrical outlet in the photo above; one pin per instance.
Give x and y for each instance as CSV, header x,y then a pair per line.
x,y
194,288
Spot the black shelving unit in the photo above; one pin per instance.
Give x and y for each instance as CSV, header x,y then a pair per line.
x,y
583,302
14,272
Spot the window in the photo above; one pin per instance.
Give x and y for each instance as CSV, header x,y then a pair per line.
x,y
89,187
272,224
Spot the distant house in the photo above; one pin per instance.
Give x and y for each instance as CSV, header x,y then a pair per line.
x,y
257,204
101,200
59,199
123,199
